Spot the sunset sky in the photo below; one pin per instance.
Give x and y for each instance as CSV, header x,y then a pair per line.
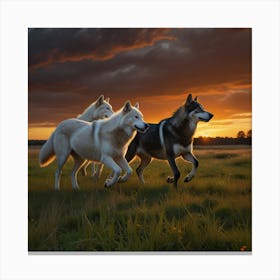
x,y
69,68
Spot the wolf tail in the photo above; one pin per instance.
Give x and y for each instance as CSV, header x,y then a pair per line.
x,y
47,154
132,149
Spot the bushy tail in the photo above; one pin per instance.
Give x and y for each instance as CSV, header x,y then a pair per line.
x,y
47,154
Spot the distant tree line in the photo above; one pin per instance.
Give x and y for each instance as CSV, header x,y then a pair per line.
x,y
221,141
241,138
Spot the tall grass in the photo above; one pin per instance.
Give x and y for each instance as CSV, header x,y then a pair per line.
x,y
212,212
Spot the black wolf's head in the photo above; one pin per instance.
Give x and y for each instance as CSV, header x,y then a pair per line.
x,y
195,110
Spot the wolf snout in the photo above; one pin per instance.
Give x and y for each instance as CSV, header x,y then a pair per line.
x,y
142,129
209,117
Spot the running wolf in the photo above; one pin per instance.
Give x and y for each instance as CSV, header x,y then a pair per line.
x,y
169,139
104,141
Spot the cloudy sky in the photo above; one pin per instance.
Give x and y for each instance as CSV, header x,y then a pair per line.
x,y
69,68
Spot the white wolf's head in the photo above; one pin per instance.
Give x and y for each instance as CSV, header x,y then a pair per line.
x,y
133,118
102,108
99,109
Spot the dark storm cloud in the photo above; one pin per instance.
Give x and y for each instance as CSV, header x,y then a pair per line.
x,y
48,46
69,68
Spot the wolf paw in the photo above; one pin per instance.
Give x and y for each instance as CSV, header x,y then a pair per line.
x,y
170,180
122,179
107,183
188,178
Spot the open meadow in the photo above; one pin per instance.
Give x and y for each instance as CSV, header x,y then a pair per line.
x,y
210,213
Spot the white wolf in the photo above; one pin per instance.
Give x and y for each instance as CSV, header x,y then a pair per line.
x,y
104,141
97,110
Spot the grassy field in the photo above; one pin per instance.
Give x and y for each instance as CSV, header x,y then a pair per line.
x,y
210,213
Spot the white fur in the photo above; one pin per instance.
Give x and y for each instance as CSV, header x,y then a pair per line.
x,y
99,109
108,144
58,143
190,157
203,116
180,150
196,117
96,134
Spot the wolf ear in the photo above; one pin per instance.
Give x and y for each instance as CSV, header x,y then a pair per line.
x,y
136,105
196,99
127,107
107,99
189,99
100,100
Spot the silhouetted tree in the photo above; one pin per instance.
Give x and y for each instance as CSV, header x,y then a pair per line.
x,y
249,133
241,134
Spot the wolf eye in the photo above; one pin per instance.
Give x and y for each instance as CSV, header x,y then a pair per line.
x,y
136,117
108,109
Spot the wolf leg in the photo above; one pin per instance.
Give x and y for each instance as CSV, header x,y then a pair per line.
x,y
109,162
85,166
78,164
190,157
93,169
96,171
176,172
145,160
124,165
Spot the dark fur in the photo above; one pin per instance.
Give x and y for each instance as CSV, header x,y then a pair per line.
x,y
176,130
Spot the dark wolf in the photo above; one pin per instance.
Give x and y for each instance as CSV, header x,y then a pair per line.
x,y
169,139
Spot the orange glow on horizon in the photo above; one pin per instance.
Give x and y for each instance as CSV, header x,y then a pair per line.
x,y
203,129
225,123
